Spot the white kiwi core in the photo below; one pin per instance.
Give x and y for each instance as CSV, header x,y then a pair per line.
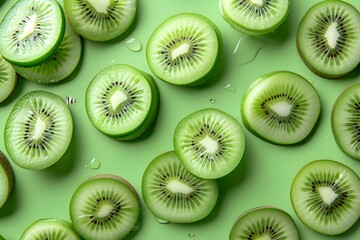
x,y
281,108
258,2
210,144
29,27
104,210
332,35
100,5
328,195
117,99
179,187
181,50
39,129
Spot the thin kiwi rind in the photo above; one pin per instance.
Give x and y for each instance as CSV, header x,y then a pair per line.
x,y
101,20
184,49
264,223
7,180
325,195
31,32
175,195
281,107
8,79
105,207
50,229
254,17
345,121
2,238
328,38
38,130
122,101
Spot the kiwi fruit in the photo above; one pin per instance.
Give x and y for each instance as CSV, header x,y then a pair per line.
x,y
281,107
122,101
101,20
31,31
264,223
60,64
175,195
8,79
345,122
38,130
254,17
328,38
7,180
50,229
325,195
2,238
105,207
184,49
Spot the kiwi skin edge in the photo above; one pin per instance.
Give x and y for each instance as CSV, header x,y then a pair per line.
x,y
10,175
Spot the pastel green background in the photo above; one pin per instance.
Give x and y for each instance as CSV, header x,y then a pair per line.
x,y
265,173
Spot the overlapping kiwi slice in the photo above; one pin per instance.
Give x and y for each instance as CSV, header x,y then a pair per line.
x,y
100,20
8,79
7,180
105,207
328,38
175,195
209,142
345,121
38,130
264,223
50,229
122,101
281,107
325,195
31,31
254,17
184,49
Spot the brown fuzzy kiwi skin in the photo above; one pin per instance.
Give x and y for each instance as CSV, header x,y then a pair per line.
x,y
10,174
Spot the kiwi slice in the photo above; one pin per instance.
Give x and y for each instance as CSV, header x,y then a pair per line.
x,y
281,107
60,64
328,38
8,79
345,121
264,223
2,238
254,17
175,195
31,31
50,229
7,180
100,20
104,207
184,49
122,101
325,195
38,130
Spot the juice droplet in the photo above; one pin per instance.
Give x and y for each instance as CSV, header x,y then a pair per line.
x,y
94,164
212,100
162,221
191,234
70,100
133,44
246,49
230,88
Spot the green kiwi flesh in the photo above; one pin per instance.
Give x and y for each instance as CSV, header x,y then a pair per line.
x,y
345,121
50,229
328,38
325,195
101,20
184,49
254,17
8,79
38,130
122,101
104,207
7,180
175,195
281,107
264,223
31,31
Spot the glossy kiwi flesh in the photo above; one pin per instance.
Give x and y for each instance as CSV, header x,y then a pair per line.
x,y
7,180
8,79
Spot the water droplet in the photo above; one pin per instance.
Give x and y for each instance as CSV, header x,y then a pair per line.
x,y
246,49
133,44
162,221
112,61
230,88
191,234
212,100
137,226
70,100
94,164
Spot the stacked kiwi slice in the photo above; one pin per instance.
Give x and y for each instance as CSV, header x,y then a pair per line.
x,y
8,79
7,180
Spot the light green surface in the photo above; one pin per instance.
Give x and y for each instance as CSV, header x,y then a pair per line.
x,y
264,175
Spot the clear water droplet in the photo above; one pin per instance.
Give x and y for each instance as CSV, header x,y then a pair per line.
x,y
246,49
94,164
112,61
230,88
133,44
70,100
212,100
162,221
191,234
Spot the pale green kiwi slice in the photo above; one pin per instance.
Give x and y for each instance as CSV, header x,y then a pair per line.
x,y
8,79
7,180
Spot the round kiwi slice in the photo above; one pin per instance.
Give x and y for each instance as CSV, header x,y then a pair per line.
x,y
345,121
209,142
31,31
2,238
175,195
60,64
281,107
100,20
254,17
38,130
328,38
264,223
122,101
325,195
7,180
8,79
184,49
50,229
104,207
